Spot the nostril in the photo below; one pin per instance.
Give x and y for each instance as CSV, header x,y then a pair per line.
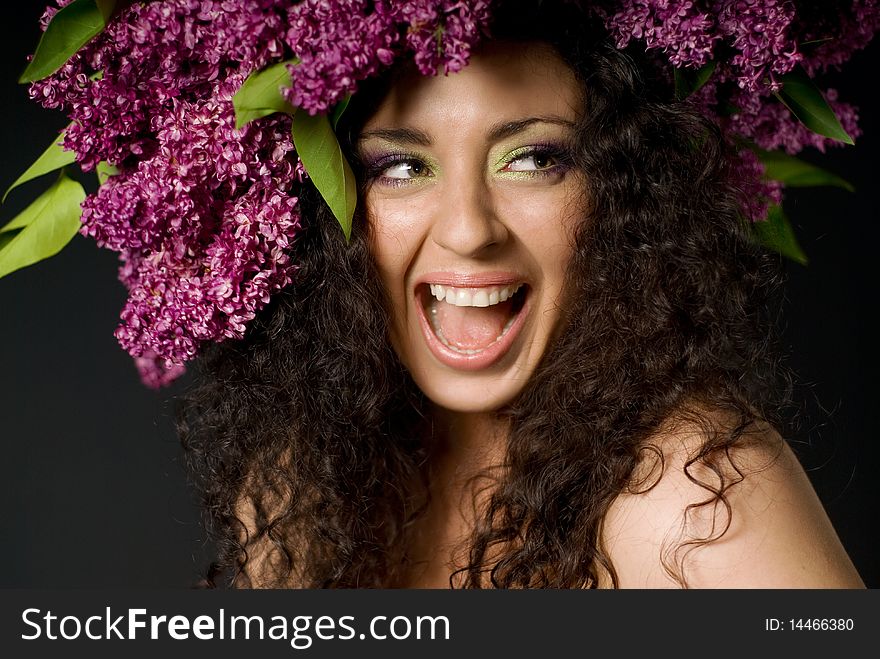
x,y
469,236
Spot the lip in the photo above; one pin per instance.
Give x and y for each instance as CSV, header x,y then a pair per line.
x,y
471,280
492,353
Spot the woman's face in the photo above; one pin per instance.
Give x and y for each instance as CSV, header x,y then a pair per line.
x,y
473,201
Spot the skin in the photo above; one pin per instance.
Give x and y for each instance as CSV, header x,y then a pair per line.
x,y
458,196
468,203
779,534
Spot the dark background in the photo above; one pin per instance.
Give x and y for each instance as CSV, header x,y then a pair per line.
x,y
93,488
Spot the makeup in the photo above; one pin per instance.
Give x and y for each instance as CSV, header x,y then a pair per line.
x,y
472,196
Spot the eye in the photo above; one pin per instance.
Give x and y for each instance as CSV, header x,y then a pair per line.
x,y
404,169
532,162
538,161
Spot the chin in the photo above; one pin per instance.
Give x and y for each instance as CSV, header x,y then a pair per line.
x,y
465,396
473,391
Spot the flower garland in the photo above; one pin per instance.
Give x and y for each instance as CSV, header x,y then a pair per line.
x,y
202,118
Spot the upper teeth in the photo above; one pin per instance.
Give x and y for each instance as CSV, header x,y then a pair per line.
x,y
473,297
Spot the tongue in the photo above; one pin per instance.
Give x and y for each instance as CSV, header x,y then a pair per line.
x,y
472,328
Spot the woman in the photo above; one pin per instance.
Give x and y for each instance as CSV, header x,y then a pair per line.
x,y
545,360
547,356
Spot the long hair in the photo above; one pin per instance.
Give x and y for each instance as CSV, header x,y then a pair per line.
x,y
309,439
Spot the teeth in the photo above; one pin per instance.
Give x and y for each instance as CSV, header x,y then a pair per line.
x,y
473,297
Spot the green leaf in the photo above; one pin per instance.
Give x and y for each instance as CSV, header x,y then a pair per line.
x,y
44,227
339,110
105,170
55,157
777,234
68,31
17,223
796,173
814,42
7,236
687,81
321,154
806,102
260,95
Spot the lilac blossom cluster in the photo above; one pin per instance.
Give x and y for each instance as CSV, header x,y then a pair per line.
x,y
832,30
203,215
200,214
690,31
752,43
682,30
338,44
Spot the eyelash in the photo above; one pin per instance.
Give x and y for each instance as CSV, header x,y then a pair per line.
x,y
560,156
374,171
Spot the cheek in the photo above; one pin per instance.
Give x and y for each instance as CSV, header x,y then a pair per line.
x,y
394,243
545,222
386,239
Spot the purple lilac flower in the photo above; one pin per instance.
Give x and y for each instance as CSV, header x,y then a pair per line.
x,y
677,27
150,55
155,373
763,37
203,216
759,31
339,44
688,32
771,126
756,193
217,291
441,34
836,28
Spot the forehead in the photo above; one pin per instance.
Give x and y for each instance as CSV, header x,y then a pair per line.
x,y
502,81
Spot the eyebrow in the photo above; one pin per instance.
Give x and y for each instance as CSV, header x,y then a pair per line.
x,y
500,131
510,128
399,135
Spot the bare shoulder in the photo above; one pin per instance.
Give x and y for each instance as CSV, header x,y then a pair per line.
x,y
768,530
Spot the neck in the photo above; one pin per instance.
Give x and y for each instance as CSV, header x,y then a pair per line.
x,y
463,444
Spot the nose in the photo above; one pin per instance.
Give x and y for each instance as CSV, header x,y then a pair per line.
x,y
466,222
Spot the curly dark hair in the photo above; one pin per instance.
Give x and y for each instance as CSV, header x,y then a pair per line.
x,y
309,439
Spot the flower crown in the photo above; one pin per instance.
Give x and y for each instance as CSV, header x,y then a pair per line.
x,y
203,118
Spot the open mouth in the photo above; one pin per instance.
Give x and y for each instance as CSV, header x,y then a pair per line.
x,y
472,326
469,320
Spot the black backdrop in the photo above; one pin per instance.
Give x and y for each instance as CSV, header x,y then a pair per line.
x,y
93,489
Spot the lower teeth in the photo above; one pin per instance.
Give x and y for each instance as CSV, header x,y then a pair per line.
x,y
439,333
